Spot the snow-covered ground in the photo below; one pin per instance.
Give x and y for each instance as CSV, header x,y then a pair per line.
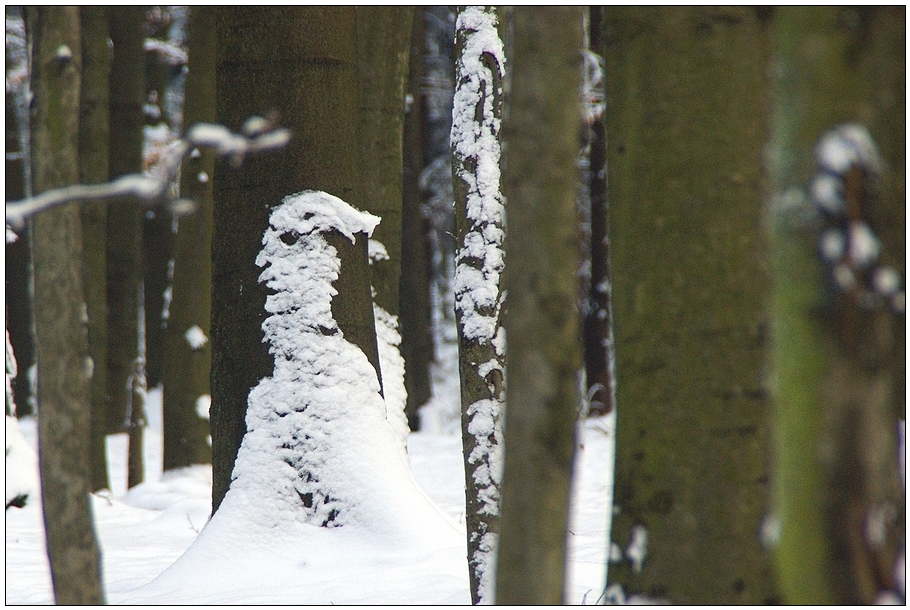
x,y
144,531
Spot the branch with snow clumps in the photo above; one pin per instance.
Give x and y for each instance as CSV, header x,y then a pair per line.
x,y
257,135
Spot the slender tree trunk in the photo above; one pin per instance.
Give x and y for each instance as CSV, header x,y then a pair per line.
x,y
479,297
597,321
188,351
94,129
18,262
686,94
414,289
300,64
124,220
64,366
542,321
838,365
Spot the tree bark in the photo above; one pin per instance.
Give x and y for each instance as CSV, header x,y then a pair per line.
x,y
124,221
94,130
541,135
298,63
64,366
189,360
597,314
686,94
383,43
415,318
479,297
839,368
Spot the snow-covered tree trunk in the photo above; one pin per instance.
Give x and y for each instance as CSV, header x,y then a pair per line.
x,y
479,297
64,366
541,133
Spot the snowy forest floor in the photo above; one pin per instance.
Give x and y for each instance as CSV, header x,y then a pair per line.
x,y
144,530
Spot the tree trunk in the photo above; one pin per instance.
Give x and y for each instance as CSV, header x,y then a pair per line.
x,y
18,262
188,351
124,219
298,63
597,313
64,367
687,123
541,132
94,129
479,298
383,43
838,366
414,289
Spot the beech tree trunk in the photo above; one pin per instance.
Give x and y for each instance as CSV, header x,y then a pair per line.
x,y
687,123
94,129
541,134
839,368
298,63
479,297
188,350
415,318
64,365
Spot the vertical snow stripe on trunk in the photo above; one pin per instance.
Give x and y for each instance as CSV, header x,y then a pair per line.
x,y
479,210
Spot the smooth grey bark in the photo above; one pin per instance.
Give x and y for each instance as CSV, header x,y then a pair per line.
x,y
64,365
686,122
542,322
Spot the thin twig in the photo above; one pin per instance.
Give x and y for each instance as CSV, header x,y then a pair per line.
x,y
258,135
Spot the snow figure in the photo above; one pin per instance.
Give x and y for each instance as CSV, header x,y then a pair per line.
x,y
321,489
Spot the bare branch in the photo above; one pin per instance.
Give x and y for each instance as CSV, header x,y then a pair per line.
x,y
155,190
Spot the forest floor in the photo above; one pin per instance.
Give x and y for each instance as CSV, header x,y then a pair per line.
x,y
144,530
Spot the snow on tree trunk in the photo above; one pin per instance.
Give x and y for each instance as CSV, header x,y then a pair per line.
x,y
391,362
476,121
319,466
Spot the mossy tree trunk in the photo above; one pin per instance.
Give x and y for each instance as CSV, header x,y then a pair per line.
x,y
414,317
839,369
298,63
188,353
541,135
686,125
64,366
94,129
124,236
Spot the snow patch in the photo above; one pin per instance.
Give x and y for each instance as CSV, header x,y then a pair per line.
x,y
195,336
203,406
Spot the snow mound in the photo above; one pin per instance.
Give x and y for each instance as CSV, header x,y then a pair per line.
x,y
322,498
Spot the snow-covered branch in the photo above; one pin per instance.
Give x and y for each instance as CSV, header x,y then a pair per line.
x,y
257,135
